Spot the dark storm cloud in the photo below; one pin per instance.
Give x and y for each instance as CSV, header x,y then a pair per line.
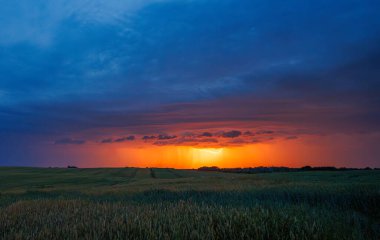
x,y
145,138
206,134
226,139
108,140
231,134
166,137
64,141
119,140
218,141
248,133
123,139
188,142
264,132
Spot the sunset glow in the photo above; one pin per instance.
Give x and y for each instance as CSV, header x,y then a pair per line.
x,y
186,84
317,150
207,156
189,119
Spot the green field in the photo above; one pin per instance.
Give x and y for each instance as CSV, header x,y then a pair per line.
x,y
131,203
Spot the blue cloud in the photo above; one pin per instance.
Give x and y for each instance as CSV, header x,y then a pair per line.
x,y
69,67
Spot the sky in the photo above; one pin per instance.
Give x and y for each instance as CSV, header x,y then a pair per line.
x,y
190,83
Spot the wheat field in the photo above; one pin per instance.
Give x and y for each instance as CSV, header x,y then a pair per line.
x,y
151,203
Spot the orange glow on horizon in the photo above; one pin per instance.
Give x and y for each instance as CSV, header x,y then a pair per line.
x,y
191,157
206,156
314,151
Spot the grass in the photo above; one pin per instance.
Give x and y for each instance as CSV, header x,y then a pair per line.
x,y
147,203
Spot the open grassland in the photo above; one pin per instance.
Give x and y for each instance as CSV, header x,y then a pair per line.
x,y
148,203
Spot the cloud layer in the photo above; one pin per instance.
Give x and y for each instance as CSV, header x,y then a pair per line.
x,y
225,72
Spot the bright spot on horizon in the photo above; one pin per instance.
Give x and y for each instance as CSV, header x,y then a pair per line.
x,y
213,151
207,155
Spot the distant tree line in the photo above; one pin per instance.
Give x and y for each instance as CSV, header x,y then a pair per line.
x,y
278,169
